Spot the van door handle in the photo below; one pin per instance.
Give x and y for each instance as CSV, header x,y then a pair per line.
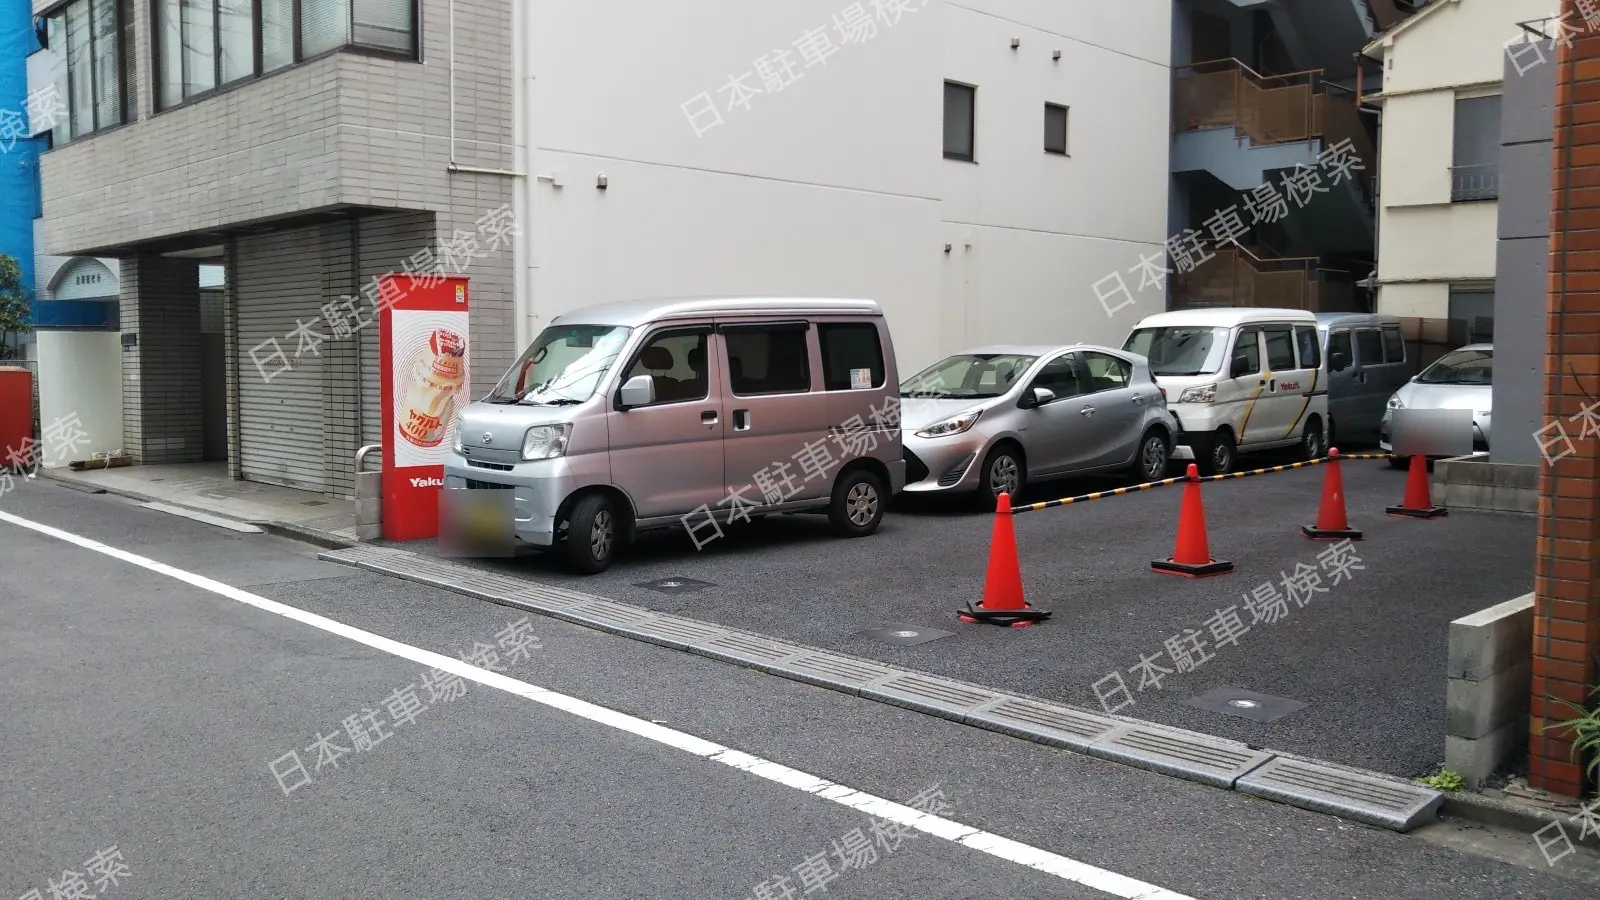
x,y
709,417
741,420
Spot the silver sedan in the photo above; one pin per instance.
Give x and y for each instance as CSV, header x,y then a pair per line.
x,y
992,419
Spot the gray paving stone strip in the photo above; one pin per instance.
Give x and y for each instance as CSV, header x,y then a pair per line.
x,y
1308,784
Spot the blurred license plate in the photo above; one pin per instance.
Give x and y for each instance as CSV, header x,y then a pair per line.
x,y
476,523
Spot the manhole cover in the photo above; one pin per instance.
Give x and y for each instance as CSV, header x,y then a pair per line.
x,y
905,635
1245,704
674,585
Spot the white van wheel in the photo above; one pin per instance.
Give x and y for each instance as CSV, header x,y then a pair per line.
x,y
1311,446
1218,454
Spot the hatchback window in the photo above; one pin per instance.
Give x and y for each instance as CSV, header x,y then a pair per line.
x,y
767,359
852,357
1106,373
968,376
1062,376
1461,367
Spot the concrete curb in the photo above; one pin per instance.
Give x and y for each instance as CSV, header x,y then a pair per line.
x,y
1516,816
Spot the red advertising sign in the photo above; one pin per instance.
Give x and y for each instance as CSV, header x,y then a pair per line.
x,y
423,357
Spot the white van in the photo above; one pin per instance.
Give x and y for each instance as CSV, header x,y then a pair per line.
x,y
1238,380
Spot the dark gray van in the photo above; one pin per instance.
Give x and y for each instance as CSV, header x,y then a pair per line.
x,y
1367,363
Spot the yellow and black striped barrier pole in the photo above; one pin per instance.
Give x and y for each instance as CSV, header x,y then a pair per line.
x,y
1180,479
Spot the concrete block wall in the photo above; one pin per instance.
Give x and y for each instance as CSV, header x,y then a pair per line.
x,y
1476,482
1490,669
162,414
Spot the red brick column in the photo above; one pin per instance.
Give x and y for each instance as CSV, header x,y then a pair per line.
x,y
1567,568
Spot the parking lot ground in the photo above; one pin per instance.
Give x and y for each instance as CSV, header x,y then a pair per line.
x,y
1366,655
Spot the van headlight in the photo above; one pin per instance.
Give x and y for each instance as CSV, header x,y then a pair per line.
x,y
1204,393
455,442
545,442
952,425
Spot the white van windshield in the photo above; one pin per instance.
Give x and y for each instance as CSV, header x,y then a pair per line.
x,y
564,365
1177,350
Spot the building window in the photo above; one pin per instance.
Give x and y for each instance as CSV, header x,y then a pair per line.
x,y
1475,172
960,115
1471,315
202,45
92,86
1055,129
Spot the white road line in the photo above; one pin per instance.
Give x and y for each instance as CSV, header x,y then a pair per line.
x,y
984,842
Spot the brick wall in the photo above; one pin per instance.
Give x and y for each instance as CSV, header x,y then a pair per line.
x,y
1567,571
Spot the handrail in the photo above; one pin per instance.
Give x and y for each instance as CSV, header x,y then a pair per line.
x,y
1244,67
362,454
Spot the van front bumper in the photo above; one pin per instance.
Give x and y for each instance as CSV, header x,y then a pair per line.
x,y
538,490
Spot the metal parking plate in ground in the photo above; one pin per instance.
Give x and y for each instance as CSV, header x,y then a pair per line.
x,y
1245,704
904,635
674,585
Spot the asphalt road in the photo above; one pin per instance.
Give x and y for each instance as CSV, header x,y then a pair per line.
x,y
1366,655
142,708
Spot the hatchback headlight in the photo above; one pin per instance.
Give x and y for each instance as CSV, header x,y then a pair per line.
x,y
1204,393
952,425
545,441
1396,403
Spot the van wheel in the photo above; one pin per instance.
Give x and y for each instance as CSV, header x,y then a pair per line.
x,y
592,534
857,505
1150,463
1311,445
1218,455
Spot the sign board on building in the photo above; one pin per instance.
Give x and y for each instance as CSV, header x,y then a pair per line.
x,y
424,384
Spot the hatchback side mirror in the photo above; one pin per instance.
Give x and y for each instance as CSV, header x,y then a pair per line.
x,y
639,391
1038,397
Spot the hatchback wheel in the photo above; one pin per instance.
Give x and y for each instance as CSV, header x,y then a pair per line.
x,y
857,505
1154,454
592,534
1003,473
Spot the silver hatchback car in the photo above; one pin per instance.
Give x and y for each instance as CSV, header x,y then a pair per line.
x,y
992,419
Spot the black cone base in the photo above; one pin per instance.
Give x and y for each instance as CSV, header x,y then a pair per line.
x,y
1190,570
1330,534
1026,615
1407,512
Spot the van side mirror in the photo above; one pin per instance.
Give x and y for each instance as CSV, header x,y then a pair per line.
x,y
1037,397
1338,362
639,391
1241,366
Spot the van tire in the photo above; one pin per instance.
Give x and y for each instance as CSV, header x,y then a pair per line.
x,y
857,505
592,534
1217,455
1312,446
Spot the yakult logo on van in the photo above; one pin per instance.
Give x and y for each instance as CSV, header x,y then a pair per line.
x,y
427,482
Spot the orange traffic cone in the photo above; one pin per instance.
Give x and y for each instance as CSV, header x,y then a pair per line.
x,y
1332,524
1002,602
1191,557
1419,501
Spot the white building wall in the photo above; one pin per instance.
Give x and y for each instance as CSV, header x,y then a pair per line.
x,y
1426,242
836,185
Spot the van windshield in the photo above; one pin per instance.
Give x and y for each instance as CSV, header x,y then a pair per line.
x,y
564,365
1180,350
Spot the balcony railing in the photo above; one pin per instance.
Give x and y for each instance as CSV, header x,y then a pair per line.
x,y
1469,183
1272,109
1238,277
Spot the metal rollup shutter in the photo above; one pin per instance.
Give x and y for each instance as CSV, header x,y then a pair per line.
x,y
279,282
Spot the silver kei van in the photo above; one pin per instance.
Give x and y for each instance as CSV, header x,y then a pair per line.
x,y
688,413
